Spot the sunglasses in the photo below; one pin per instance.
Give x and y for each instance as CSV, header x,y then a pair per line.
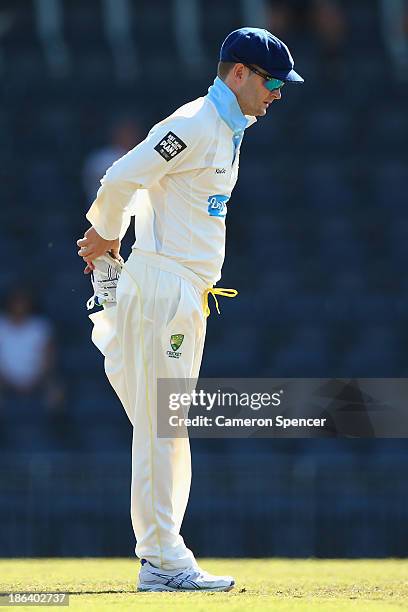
x,y
271,82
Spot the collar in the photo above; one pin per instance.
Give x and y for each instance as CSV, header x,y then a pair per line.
x,y
228,108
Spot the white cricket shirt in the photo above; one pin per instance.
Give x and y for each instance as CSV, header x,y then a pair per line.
x,y
184,173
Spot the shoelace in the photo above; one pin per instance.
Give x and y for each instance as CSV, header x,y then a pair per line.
x,y
229,293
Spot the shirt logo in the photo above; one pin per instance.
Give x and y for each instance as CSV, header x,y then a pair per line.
x,y
170,146
217,205
220,171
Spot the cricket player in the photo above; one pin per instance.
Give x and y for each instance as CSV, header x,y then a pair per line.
x,y
177,184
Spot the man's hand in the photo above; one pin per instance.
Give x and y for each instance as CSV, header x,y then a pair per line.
x,y
92,245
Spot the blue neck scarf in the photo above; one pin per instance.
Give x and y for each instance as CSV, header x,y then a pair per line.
x,y
228,109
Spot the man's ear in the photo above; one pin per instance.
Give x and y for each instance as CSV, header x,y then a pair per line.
x,y
239,72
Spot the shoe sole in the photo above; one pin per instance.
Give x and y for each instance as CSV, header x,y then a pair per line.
x,y
156,588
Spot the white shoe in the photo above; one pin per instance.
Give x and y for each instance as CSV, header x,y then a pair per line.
x,y
152,578
104,280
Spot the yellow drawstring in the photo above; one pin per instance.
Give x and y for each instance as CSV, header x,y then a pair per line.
x,y
230,293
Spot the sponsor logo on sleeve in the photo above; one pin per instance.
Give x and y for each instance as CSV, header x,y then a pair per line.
x,y
217,205
170,146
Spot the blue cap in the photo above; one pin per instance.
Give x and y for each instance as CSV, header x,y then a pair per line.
x,y
260,47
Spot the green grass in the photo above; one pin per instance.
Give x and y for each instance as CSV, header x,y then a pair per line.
x,y
272,584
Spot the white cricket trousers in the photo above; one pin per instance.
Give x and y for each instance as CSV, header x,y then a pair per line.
x,y
156,299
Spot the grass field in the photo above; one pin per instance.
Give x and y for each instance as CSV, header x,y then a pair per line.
x,y
273,584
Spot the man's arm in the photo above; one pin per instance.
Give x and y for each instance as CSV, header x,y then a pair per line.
x,y
166,147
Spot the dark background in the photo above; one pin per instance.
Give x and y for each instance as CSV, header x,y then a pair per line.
x,y
317,247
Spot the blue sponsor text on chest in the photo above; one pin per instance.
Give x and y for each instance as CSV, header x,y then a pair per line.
x,y
217,205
